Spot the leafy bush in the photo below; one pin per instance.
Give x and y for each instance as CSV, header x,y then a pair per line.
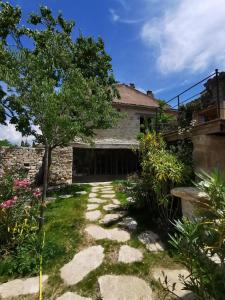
x,y
161,171
200,243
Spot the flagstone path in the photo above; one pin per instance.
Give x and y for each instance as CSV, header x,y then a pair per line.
x,y
103,209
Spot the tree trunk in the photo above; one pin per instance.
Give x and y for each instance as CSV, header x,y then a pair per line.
x,y
45,184
39,178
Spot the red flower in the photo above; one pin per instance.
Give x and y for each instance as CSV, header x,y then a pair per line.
x,y
37,193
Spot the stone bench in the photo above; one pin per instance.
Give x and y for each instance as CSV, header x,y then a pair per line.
x,y
191,198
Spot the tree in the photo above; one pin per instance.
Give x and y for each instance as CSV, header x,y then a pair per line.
x,y
59,87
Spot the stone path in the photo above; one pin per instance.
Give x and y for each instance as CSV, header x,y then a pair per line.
x,y
103,209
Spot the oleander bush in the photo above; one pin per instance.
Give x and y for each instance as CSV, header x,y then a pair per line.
x,y
200,243
19,210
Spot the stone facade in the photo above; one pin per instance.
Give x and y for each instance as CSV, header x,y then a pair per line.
x,y
31,159
124,134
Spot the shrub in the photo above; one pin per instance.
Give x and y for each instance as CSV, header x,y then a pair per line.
x,y
161,171
200,241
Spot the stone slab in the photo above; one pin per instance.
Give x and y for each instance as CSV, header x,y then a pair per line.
x,y
115,201
92,206
115,234
128,223
172,277
65,196
107,190
82,264
19,287
92,195
108,196
97,200
93,215
124,288
81,193
111,218
95,189
110,207
129,254
151,240
72,296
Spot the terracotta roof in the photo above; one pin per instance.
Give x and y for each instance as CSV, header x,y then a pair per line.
x,y
131,96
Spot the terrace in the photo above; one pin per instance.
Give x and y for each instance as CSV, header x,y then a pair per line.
x,y
201,107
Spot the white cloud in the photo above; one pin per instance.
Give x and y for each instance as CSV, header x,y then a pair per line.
x,y
116,18
10,133
188,36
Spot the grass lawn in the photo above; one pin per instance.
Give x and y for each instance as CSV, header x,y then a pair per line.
x,y
65,236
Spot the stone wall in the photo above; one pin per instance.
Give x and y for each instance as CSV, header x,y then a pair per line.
x,y
209,152
124,134
31,159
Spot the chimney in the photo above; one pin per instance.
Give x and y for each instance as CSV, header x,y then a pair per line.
x,y
132,85
150,94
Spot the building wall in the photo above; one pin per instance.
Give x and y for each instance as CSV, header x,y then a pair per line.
x,y
31,159
209,152
124,134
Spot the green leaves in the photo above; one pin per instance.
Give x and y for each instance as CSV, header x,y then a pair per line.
x,y
61,86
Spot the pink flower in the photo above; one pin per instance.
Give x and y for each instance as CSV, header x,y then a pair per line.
x,y
37,193
23,184
8,203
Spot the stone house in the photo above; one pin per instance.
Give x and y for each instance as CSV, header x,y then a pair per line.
x,y
111,156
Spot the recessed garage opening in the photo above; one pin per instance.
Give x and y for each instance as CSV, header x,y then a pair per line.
x,y
103,164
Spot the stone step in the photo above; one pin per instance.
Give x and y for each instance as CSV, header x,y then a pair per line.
x,y
129,254
124,288
115,234
21,287
82,264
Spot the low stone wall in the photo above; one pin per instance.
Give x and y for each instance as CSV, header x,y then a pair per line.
x,y
31,159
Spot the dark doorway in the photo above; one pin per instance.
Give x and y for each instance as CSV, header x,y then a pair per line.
x,y
103,164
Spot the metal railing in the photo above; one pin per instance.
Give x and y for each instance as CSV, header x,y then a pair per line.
x,y
196,92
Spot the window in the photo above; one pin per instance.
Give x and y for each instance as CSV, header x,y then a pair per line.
x,y
145,123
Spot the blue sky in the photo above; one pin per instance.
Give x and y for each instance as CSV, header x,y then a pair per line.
x,y
160,45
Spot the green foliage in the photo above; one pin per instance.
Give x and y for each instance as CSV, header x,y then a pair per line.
x,y
5,143
163,118
161,171
201,240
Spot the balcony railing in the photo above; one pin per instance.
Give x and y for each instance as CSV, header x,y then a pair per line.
x,y
202,102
